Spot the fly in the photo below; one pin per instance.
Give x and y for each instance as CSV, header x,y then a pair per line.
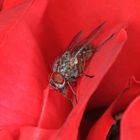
x,y
71,64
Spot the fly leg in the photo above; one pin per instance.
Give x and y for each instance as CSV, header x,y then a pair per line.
x,y
89,76
69,99
82,67
73,92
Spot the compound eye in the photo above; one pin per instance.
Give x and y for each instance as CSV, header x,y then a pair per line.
x,y
58,78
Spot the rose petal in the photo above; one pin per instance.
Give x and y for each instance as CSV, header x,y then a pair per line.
x,y
34,133
108,54
127,63
5,135
23,71
73,16
11,3
130,125
105,122
54,111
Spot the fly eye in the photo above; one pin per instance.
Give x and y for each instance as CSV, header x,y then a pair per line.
x,y
57,78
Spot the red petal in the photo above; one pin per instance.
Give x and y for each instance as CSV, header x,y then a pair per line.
x,y
34,133
34,37
130,126
5,135
127,63
23,72
101,128
10,3
105,58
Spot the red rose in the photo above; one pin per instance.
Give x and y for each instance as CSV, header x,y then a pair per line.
x,y
32,34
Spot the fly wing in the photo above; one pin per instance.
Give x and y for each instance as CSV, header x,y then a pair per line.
x,y
93,34
75,41
97,48
105,41
90,37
